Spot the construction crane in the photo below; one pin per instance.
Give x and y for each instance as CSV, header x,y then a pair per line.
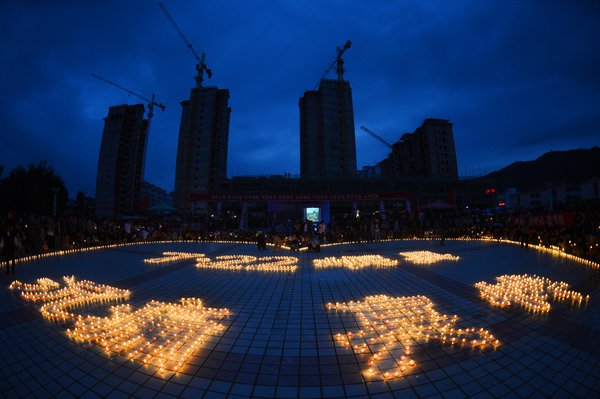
x,y
339,61
201,65
151,102
375,135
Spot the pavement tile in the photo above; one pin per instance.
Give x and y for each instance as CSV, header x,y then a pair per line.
x,y
278,340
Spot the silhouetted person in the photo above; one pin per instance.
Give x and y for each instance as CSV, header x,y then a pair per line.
x,y
524,232
9,250
321,230
261,242
277,242
294,243
314,244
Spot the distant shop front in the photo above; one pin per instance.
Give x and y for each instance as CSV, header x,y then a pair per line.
x,y
260,210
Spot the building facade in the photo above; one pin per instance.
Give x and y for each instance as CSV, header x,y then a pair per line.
x,y
551,194
203,144
154,196
121,161
429,151
327,140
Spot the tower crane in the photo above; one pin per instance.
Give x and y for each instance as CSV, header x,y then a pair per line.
x,y
339,61
151,102
376,136
201,65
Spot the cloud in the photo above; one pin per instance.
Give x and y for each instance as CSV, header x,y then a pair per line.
x,y
513,77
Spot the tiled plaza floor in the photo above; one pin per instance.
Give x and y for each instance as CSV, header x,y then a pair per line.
x,y
279,338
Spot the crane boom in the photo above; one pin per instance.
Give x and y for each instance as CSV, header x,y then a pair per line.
x,y
150,102
201,65
376,136
337,60
187,42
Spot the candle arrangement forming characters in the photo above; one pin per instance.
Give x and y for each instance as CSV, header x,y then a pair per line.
x,y
171,257
354,262
392,326
160,334
529,291
251,263
427,257
232,262
59,301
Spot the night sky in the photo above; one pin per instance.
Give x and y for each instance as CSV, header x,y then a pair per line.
x,y
517,78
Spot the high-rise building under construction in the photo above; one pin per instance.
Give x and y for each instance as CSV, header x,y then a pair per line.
x,y
121,161
327,141
428,152
203,143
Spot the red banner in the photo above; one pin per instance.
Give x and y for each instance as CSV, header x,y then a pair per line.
x,y
300,197
550,220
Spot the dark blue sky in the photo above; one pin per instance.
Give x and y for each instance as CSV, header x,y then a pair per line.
x,y
517,78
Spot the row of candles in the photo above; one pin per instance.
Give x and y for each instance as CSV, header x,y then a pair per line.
x,y
528,291
30,258
553,250
392,326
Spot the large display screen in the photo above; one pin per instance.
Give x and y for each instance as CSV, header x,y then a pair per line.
x,y
312,214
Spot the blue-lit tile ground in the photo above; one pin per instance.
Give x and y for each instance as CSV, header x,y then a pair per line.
x,y
279,339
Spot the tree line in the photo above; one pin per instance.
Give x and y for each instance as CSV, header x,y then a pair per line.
x,y
35,189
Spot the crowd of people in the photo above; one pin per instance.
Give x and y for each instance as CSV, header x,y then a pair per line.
x,y
574,229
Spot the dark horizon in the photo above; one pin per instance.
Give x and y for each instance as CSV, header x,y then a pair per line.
x,y
517,80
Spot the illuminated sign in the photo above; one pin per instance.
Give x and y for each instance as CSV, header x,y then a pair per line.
x,y
312,214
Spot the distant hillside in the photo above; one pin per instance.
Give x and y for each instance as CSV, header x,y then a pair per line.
x,y
552,167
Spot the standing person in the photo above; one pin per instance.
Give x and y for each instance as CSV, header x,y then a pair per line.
x,y
277,241
396,228
321,231
261,242
127,229
50,231
307,230
376,230
9,250
524,231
